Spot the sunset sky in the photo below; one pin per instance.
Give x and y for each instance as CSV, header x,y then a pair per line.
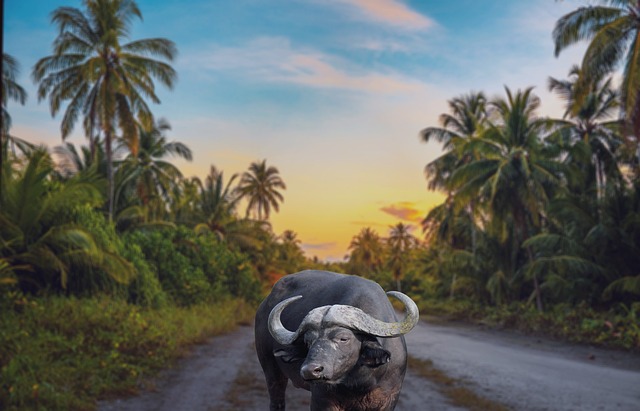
x,y
331,92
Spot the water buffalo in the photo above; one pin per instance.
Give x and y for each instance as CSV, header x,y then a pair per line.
x,y
347,346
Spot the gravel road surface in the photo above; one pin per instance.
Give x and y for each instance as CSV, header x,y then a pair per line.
x,y
519,372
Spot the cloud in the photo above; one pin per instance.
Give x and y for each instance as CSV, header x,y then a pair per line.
x,y
390,12
319,246
273,59
406,211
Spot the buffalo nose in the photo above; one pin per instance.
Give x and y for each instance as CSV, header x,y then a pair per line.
x,y
311,371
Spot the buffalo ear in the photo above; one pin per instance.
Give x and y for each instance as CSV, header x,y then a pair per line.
x,y
373,355
290,354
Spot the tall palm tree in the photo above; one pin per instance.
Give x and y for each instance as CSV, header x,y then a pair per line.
x,y
105,79
145,174
400,242
587,126
11,90
367,252
516,173
291,254
449,228
218,203
465,122
613,32
259,185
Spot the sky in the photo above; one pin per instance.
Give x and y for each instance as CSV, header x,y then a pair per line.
x,y
333,93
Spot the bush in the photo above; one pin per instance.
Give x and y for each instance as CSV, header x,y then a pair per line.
x,y
88,280
184,282
195,268
145,289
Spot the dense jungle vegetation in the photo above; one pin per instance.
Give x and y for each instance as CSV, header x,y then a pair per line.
x,y
112,262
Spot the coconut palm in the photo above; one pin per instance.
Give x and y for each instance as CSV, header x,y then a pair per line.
x,y
104,79
367,251
145,175
400,242
291,255
71,161
449,228
516,173
588,127
613,31
218,203
11,90
465,122
259,185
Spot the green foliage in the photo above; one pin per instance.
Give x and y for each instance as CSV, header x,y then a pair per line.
x,y
145,289
96,279
192,268
183,281
618,327
64,353
42,236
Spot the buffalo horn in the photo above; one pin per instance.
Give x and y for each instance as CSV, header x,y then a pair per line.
x,y
284,336
355,318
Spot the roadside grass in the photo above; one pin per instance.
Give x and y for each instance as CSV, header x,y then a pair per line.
x,y
63,353
616,328
451,388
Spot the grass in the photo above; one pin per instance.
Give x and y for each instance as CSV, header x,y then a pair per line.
x,y
65,353
451,388
616,328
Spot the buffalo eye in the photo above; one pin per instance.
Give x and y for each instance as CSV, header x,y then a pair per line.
x,y
342,338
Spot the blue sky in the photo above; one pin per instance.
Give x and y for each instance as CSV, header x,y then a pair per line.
x,y
332,92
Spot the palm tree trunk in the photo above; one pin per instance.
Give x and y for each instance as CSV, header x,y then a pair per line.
x,y
110,189
536,285
453,286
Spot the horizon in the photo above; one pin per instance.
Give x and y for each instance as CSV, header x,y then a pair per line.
x,y
331,93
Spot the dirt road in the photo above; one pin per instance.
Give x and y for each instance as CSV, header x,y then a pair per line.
x,y
518,372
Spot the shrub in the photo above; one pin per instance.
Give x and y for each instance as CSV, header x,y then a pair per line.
x,y
64,353
179,277
194,268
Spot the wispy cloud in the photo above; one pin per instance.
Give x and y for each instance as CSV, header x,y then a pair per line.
x,y
406,211
319,246
391,12
274,59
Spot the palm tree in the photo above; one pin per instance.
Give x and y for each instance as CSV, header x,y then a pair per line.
x,y
104,79
448,228
400,242
71,162
38,239
366,252
144,173
218,203
613,32
291,255
466,121
459,129
11,90
260,186
587,126
516,173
